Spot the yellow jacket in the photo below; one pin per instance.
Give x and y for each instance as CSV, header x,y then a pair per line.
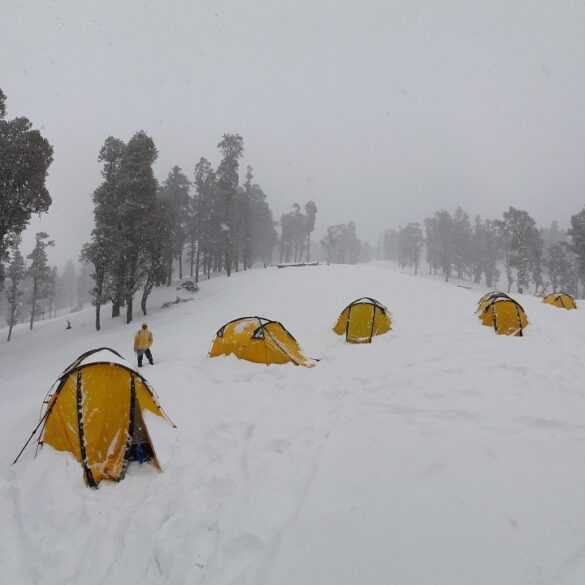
x,y
143,340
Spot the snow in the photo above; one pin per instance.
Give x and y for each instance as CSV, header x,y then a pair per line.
x,y
244,324
106,356
441,454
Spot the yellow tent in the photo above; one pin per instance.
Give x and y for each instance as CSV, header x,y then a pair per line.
x,y
96,414
487,298
362,320
258,340
561,300
505,315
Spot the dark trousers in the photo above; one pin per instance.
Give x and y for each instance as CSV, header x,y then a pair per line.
x,y
144,353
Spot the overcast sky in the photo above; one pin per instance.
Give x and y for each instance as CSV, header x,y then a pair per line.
x,y
379,111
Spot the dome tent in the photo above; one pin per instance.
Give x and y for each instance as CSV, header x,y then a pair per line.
x,y
96,414
258,340
504,314
487,298
362,320
561,300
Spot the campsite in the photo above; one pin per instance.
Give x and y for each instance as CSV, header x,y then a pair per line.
x,y
292,293
438,439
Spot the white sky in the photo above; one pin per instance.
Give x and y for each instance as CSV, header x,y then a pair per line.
x,y
380,111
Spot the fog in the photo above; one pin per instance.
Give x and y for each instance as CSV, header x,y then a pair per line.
x,y
379,111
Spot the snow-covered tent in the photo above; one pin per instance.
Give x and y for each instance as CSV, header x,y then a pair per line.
x,y
258,340
488,298
505,315
96,413
561,300
362,320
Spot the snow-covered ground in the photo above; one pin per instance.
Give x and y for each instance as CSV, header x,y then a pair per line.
x,y
439,454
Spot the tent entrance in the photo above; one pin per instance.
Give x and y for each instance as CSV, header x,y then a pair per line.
x,y
141,449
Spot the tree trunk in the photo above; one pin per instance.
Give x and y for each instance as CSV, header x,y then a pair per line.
x,y
192,258
34,304
129,302
196,264
98,324
228,267
11,324
115,308
181,263
145,293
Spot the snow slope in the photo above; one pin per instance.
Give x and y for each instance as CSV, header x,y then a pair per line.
x,y
439,454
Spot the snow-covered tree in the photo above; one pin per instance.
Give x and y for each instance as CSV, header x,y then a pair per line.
x,y
39,272
16,274
25,157
175,193
577,234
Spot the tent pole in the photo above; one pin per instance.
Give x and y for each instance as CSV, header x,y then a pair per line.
x,y
31,436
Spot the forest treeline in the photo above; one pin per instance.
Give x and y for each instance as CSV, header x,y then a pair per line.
x,y
147,233
204,224
511,251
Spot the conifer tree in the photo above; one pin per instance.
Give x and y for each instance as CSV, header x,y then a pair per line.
x,y
311,216
577,234
561,268
66,288
16,273
52,292
39,272
139,187
462,236
160,220
25,157
341,244
175,193
103,249
410,242
232,149
205,221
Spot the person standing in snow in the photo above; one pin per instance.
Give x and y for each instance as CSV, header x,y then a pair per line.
x,y
142,343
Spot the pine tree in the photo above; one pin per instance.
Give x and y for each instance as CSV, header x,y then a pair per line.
x,y
160,222
14,293
561,268
52,292
462,236
66,288
441,242
577,234
103,251
410,242
25,157
139,187
311,216
83,286
390,245
205,219
491,253
263,235
523,246
341,244
232,149
39,272
175,193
